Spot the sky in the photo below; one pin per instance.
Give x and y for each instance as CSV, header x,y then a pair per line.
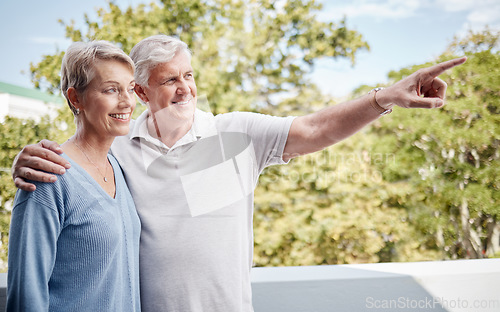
x,y
400,33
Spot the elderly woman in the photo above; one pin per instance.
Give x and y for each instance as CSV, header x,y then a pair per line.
x,y
74,244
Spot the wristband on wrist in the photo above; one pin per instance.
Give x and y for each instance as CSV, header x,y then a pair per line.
x,y
373,102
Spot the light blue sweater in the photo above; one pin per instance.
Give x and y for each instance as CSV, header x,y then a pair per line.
x,y
74,248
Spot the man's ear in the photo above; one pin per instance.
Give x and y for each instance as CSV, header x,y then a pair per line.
x,y
74,98
141,93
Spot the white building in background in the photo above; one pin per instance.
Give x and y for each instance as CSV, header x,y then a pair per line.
x,y
26,103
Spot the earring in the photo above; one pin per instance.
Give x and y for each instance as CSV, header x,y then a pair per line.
x,y
77,111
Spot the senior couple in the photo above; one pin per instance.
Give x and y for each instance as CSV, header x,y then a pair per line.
x,y
74,243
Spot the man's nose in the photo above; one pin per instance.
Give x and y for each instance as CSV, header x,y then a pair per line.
x,y
182,87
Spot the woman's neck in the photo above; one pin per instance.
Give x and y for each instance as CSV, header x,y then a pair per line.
x,y
91,154
95,148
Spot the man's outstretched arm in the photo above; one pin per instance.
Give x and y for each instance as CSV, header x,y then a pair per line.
x,y
314,132
307,134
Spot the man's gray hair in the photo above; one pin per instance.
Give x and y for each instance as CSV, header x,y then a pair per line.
x,y
152,51
78,69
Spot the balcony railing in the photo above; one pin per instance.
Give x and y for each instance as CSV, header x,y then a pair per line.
x,y
459,285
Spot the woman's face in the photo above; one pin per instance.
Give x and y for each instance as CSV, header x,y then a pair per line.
x,y
172,89
109,100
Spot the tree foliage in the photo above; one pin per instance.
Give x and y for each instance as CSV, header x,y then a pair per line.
x,y
416,185
246,52
334,207
16,133
451,156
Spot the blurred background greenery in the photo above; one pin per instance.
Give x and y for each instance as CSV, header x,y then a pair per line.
x,y
414,185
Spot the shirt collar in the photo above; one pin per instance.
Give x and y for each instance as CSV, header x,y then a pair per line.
x,y
203,126
138,127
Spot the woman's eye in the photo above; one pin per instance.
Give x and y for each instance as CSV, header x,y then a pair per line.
x,y
132,90
110,90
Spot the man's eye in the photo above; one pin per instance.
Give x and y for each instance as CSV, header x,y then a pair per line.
x,y
169,81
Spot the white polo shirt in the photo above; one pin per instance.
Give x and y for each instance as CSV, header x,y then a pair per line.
x,y
195,202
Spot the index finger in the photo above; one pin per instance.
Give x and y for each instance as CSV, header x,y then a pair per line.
x,y
50,145
440,68
50,151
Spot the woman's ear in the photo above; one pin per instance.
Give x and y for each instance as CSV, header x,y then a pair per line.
x,y
141,93
74,98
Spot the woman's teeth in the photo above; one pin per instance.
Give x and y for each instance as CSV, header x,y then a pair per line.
x,y
120,116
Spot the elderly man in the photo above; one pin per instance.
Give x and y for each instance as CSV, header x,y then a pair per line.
x,y
192,174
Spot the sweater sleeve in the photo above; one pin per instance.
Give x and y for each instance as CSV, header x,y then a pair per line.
x,y
33,237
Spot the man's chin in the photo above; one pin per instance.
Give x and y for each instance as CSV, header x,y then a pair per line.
x,y
175,113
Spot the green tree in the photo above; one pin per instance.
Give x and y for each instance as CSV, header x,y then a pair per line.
x,y
394,192
15,134
247,53
451,156
416,185
334,207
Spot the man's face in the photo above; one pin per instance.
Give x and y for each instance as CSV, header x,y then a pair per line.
x,y
172,89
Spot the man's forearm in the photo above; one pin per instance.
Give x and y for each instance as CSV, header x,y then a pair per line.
x,y
319,130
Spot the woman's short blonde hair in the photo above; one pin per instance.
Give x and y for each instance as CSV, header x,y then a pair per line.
x,y
78,69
